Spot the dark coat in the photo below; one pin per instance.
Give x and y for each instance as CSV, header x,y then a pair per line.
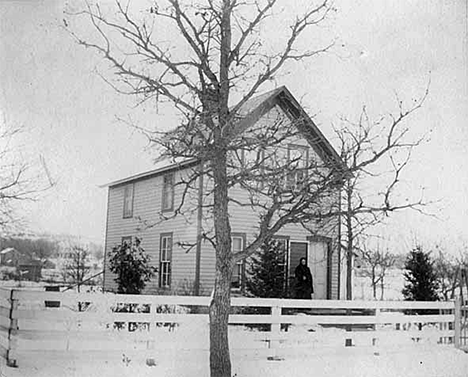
x,y
304,282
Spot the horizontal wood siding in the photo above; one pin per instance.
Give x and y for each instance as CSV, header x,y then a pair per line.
x,y
148,225
208,255
207,268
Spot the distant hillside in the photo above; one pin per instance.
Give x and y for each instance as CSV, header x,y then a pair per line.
x,y
45,245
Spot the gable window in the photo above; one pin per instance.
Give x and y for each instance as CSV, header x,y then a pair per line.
x,y
165,260
238,272
298,157
128,201
168,192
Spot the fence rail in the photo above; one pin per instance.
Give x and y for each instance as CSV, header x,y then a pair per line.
x,y
70,322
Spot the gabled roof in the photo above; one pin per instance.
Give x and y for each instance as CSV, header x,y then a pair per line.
x,y
249,113
255,108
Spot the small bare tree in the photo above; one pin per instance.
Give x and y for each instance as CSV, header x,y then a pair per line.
x,y
448,269
19,179
376,265
77,267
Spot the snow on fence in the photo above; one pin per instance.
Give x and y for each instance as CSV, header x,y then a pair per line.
x,y
75,322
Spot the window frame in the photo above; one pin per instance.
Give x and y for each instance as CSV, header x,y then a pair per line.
x,y
165,191
126,240
292,182
128,200
239,267
167,261
286,240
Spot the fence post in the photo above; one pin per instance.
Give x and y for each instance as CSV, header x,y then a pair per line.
x,y
457,326
375,338
11,362
349,328
275,328
150,343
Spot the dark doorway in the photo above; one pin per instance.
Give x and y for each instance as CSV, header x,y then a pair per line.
x,y
297,250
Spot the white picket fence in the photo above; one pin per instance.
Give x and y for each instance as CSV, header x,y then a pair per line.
x,y
74,322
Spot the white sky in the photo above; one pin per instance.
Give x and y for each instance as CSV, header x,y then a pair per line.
x,y
49,85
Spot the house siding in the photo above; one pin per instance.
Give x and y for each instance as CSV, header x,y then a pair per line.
x,y
147,225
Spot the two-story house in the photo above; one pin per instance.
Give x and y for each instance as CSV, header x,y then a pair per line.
x,y
144,206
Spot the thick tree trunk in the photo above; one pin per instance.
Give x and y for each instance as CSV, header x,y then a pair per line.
x,y
220,361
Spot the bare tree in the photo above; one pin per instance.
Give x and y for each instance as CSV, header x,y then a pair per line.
x,y
449,272
376,264
19,179
377,152
216,62
77,268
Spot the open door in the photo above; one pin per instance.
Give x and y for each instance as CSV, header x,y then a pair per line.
x,y
318,261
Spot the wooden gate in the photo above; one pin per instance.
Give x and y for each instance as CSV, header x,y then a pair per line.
x,y
462,308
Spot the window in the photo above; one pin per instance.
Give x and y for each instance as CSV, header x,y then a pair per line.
x,y
283,243
127,240
298,156
128,201
168,192
165,260
237,274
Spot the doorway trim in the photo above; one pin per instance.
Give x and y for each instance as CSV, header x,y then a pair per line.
x,y
328,242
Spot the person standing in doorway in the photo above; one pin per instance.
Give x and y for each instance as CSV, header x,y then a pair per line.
x,y
304,281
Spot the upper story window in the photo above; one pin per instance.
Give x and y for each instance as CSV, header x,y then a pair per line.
x,y
238,272
168,192
298,157
128,201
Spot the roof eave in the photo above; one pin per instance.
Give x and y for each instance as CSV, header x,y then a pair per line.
x,y
150,173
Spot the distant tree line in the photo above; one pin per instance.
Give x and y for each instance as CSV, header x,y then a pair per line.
x,y
40,249
44,248
68,257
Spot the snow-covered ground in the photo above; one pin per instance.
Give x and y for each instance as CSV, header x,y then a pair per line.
x,y
308,352
415,361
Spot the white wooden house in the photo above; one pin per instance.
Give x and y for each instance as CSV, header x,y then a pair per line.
x,y
141,206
